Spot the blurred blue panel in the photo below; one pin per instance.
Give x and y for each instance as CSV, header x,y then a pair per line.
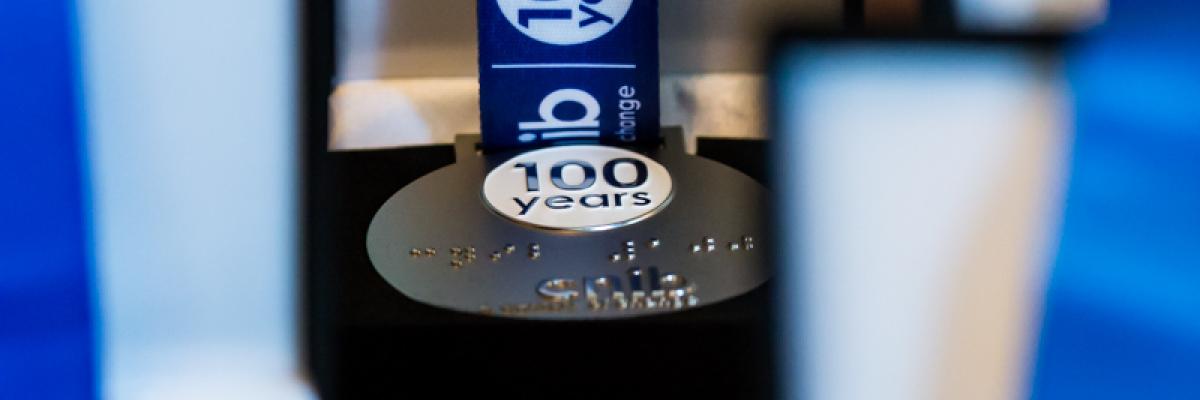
x,y
1123,309
45,328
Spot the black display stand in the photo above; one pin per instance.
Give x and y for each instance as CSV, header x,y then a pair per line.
x,y
363,339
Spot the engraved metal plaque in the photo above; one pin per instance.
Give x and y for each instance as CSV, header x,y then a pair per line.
x,y
610,233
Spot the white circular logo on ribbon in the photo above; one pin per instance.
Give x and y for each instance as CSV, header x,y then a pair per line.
x,y
579,188
565,22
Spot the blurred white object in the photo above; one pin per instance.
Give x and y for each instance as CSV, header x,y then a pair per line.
x,y
726,105
924,184
1017,15
404,112
190,111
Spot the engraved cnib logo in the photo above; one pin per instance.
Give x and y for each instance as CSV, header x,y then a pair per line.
x,y
564,22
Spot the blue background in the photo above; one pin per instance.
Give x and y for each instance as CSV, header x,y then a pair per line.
x,y
46,333
1122,318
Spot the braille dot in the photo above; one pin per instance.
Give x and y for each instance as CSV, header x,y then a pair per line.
x,y
430,252
535,255
510,248
415,252
534,247
710,241
655,243
615,257
710,248
497,256
734,246
696,248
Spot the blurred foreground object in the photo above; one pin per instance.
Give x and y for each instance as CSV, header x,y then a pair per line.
x,y
919,181
190,112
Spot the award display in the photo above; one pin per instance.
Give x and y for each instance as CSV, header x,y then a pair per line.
x,y
572,205
573,232
543,254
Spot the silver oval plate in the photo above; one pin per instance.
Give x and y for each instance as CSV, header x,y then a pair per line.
x,y
613,235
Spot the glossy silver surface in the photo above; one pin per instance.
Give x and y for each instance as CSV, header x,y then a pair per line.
x,y
570,275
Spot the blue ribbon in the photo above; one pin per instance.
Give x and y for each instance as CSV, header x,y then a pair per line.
x,y
568,71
